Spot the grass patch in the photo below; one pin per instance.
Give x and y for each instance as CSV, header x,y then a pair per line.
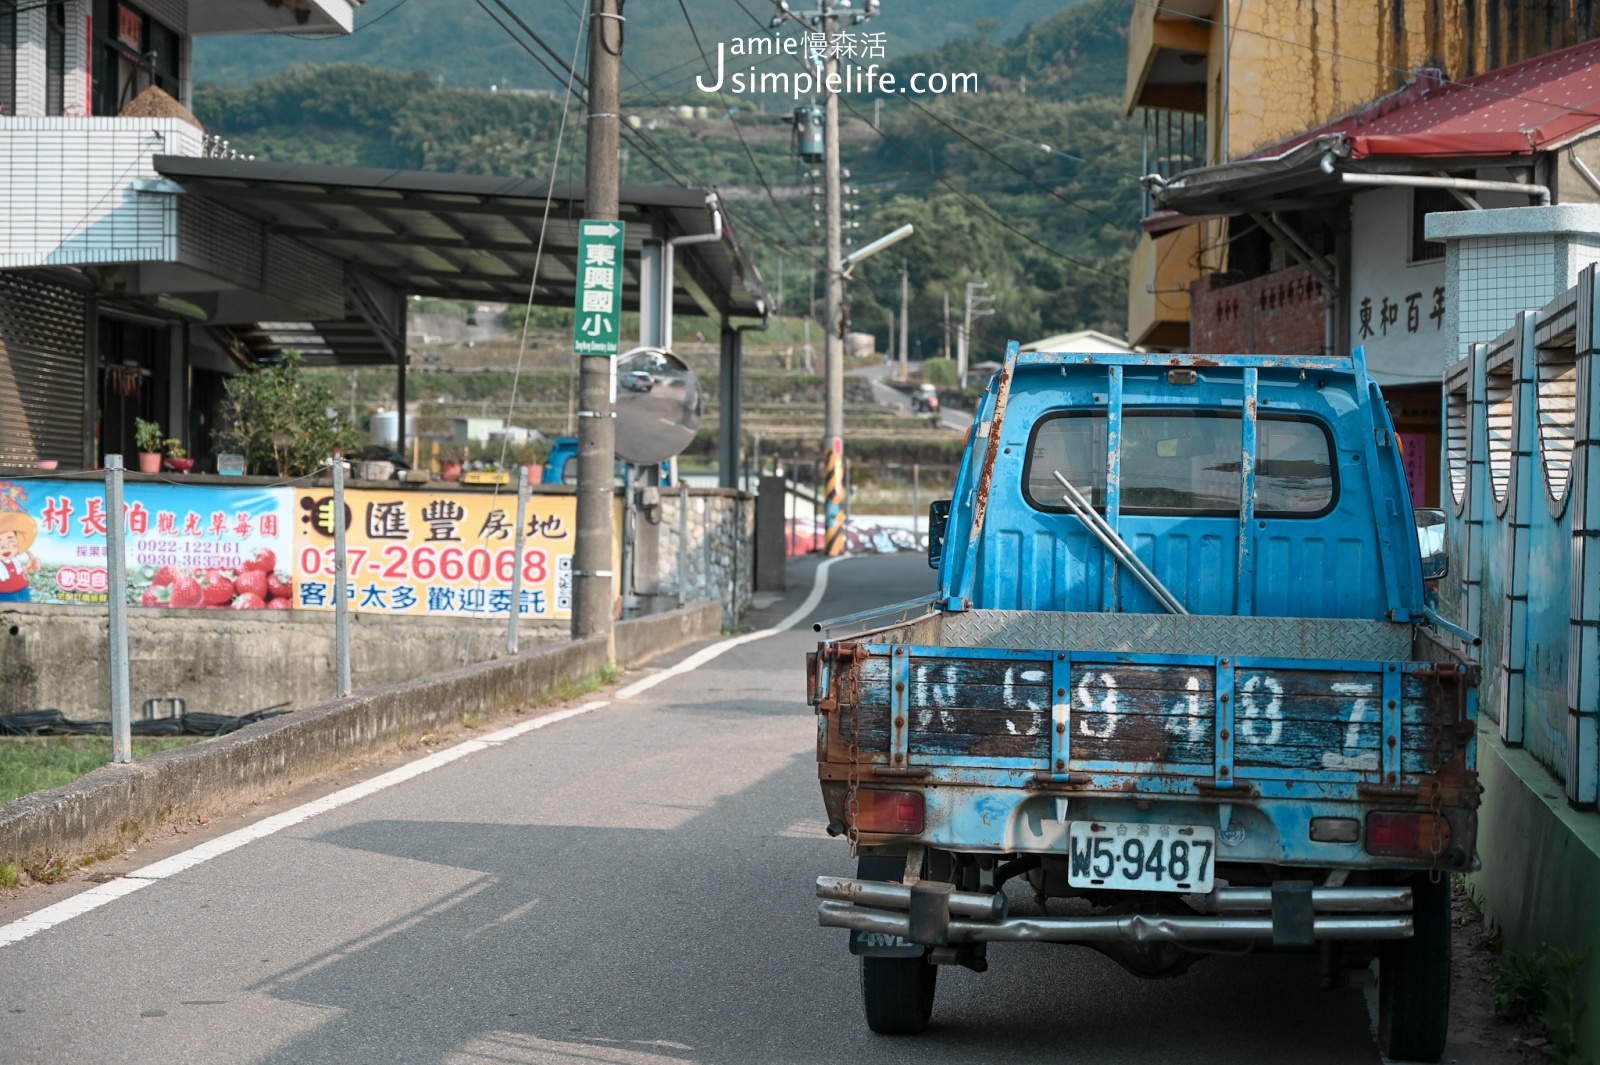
x,y
10,875
35,763
599,678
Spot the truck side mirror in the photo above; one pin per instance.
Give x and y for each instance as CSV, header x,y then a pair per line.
x,y
938,518
1430,542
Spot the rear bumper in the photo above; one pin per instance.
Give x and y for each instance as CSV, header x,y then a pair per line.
x,y
1297,919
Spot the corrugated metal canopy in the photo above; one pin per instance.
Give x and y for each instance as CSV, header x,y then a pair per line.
x,y
475,237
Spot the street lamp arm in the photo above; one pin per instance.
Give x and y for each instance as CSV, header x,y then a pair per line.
x,y
848,263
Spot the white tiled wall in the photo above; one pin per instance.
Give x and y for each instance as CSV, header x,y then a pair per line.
x,y
1492,278
67,193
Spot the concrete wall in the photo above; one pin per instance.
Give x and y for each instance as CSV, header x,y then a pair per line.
x,y
718,560
117,805
1541,862
226,661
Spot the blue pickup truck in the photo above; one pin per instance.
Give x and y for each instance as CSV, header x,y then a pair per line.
x,y
1178,677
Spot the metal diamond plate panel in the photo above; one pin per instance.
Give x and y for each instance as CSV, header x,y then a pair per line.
x,y
1348,638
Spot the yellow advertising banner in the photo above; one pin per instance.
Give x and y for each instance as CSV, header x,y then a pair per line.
x,y
454,553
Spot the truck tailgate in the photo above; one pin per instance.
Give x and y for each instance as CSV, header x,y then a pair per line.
x,y
1180,723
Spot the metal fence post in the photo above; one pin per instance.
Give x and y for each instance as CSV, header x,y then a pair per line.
x,y
916,503
515,609
705,528
683,543
117,613
341,580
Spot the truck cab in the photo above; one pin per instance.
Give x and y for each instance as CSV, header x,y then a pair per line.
x,y
1178,671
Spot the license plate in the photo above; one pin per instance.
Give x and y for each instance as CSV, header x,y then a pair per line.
x,y
1129,857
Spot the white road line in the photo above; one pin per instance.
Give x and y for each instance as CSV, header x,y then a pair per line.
x,y
99,895
819,588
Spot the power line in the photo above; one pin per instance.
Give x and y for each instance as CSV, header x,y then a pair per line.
x,y
980,206
782,215
975,204
1002,161
635,135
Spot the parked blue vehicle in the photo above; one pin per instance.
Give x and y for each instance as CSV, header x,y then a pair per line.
x,y
1178,670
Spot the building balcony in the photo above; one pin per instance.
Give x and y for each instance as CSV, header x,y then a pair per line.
x,y
84,191
1160,273
1281,313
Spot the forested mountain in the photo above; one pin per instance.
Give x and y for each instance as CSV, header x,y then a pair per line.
x,y
458,41
1029,184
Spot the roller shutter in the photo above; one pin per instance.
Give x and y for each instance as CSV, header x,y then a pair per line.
x,y
41,372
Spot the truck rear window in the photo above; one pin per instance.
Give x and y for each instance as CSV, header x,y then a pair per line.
x,y
1184,462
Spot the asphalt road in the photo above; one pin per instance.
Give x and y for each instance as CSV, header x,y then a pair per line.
x,y
958,420
634,886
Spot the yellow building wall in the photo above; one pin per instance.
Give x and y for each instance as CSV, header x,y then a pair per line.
x,y
1159,273
1277,69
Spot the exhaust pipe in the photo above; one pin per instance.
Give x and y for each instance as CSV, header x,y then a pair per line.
x,y
898,897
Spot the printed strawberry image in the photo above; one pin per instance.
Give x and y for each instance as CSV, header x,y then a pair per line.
x,y
280,604
252,582
157,595
165,576
217,585
249,601
279,586
264,562
186,592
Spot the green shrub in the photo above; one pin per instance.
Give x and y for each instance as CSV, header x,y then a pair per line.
x,y
278,418
941,372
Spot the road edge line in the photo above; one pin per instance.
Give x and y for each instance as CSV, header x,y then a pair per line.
x,y
819,588
99,895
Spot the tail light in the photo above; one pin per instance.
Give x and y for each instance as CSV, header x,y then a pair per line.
x,y
1407,835
897,812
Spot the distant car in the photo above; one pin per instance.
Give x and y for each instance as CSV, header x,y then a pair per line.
x,y
925,400
638,381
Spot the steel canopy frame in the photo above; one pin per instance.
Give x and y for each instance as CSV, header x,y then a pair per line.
x,y
469,236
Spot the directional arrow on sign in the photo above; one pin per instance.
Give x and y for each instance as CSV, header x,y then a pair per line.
x,y
607,230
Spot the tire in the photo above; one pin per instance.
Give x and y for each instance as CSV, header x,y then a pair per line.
x,y
1414,979
896,993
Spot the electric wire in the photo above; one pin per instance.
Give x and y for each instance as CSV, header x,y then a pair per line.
x,y
977,205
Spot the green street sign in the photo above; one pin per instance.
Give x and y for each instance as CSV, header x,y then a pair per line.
x,y
597,328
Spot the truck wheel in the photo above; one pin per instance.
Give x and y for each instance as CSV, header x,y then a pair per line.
x,y
1414,979
896,993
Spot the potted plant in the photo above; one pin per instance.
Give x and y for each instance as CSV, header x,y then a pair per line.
x,y
450,460
147,437
177,458
278,419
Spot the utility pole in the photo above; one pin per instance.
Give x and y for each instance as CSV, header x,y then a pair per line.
x,y
944,350
833,292
822,24
975,309
591,571
905,302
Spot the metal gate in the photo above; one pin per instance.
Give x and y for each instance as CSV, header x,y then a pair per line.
x,y
41,372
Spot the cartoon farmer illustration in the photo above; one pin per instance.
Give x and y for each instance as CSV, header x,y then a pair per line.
x,y
17,531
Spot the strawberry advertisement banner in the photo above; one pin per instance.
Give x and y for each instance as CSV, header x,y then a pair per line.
x,y
186,546
442,553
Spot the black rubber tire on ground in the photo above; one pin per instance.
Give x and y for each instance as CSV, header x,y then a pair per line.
x,y
1414,979
896,993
